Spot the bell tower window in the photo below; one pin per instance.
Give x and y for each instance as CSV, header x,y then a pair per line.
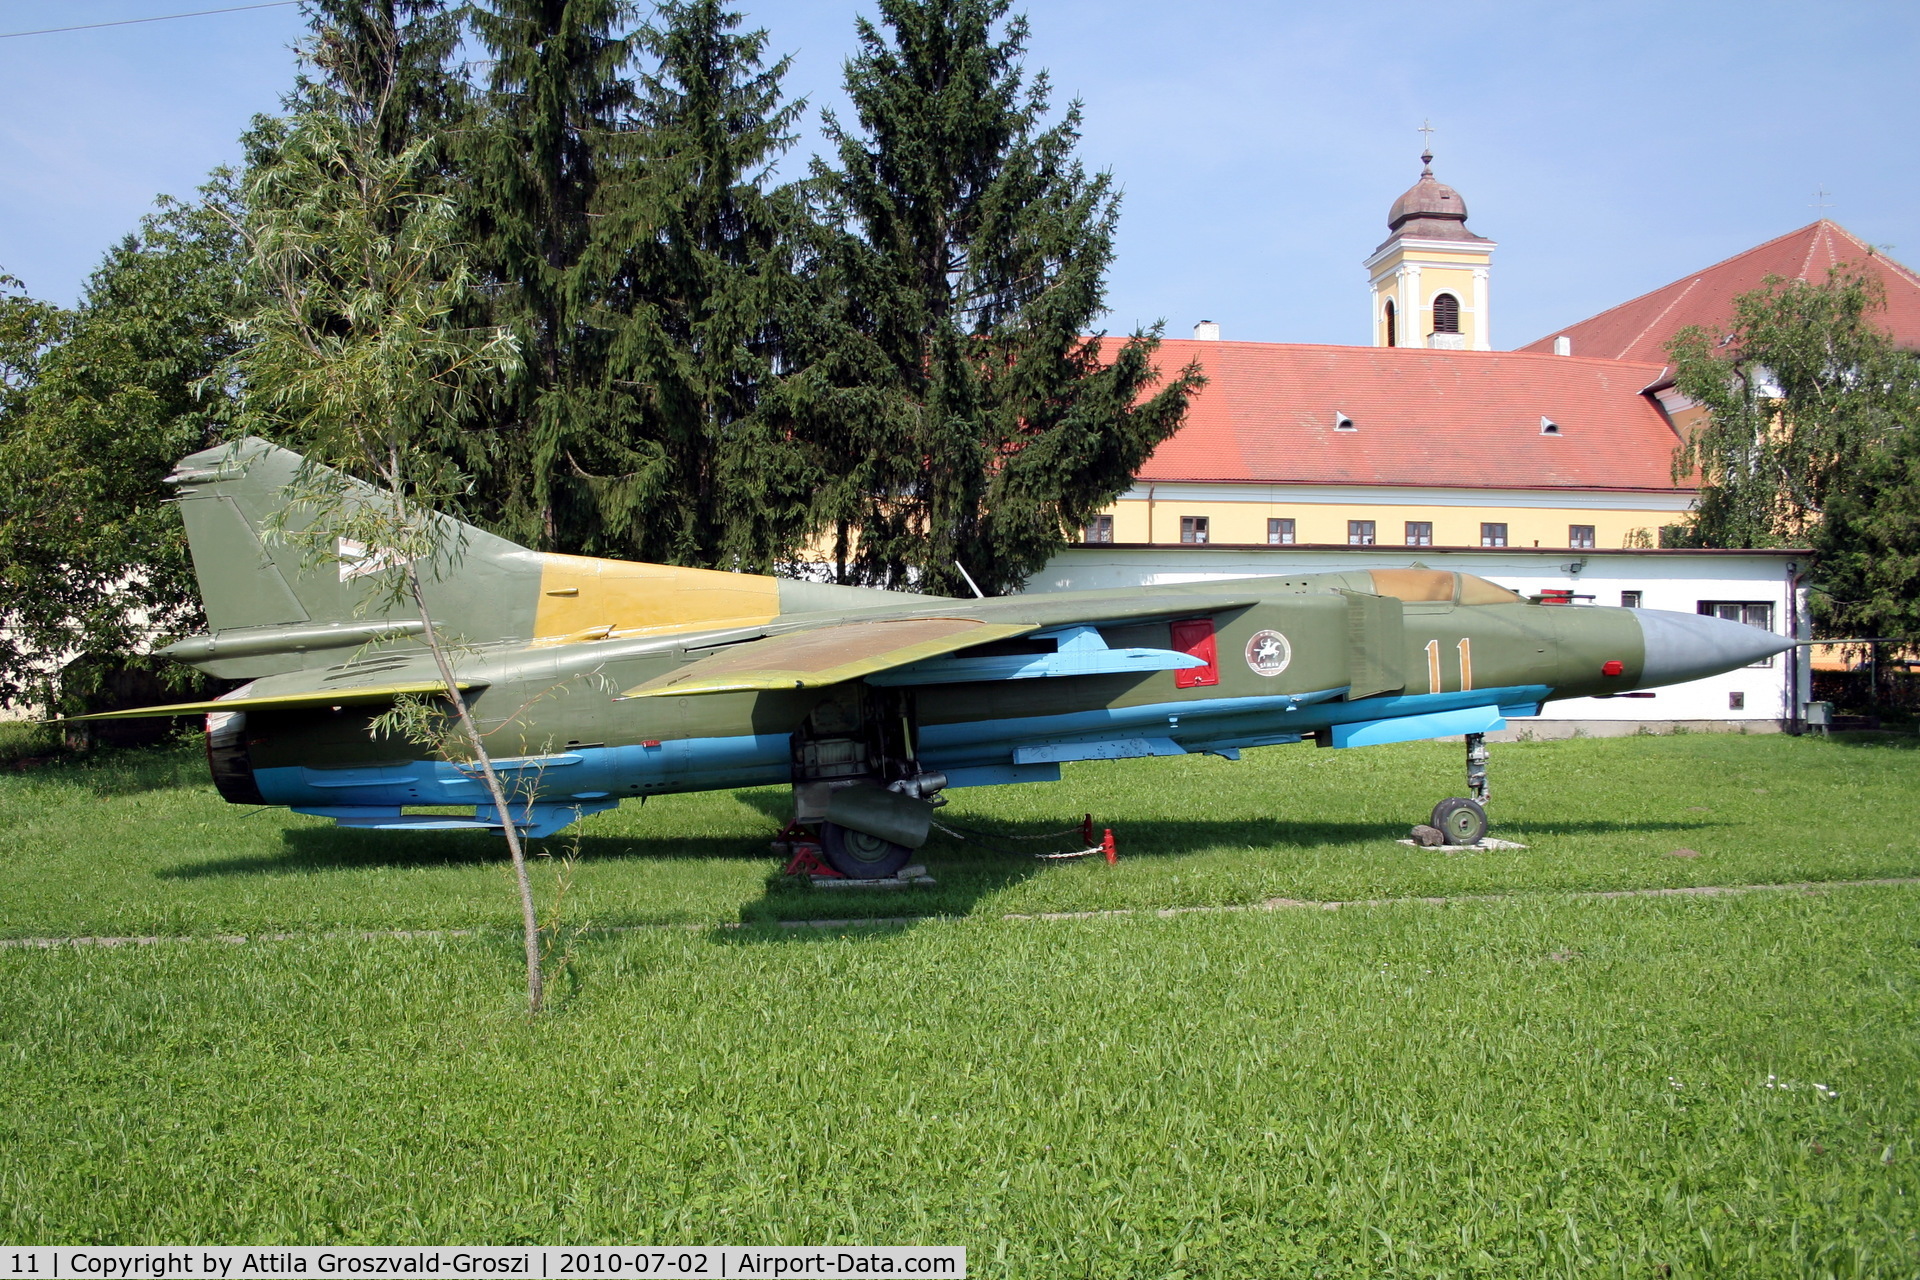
x,y
1428,279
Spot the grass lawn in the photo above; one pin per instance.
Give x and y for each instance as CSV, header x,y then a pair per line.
x,y
139,843
1541,1083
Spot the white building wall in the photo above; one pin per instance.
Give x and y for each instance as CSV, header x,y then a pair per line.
x,y
1674,580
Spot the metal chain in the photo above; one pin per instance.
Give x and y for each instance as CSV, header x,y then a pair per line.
x,y
986,840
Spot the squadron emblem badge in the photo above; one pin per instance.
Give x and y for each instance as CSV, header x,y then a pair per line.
x,y
1268,653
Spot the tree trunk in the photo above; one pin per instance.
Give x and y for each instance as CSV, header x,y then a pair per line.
x,y
529,921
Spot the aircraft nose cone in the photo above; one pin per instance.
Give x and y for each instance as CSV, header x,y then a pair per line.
x,y
1687,646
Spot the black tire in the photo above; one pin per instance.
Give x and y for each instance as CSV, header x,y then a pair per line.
x,y
1462,821
859,856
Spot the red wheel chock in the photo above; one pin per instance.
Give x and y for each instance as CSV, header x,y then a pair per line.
x,y
802,854
806,862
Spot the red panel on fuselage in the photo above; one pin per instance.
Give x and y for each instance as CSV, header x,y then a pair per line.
x,y
1194,637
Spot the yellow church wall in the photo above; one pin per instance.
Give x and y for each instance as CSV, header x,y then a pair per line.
x,y
1457,281
1441,271
1425,257
1158,521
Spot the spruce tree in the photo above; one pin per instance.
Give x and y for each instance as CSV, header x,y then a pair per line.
x,y
558,96
969,417
697,256
384,66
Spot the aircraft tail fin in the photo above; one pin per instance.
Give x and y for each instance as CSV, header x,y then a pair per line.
x,y
272,597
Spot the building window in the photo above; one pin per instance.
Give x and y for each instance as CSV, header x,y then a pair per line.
x,y
1580,535
1736,702
1629,599
1493,535
1755,613
1280,532
1419,533
1446,313
1360,533
1393,335
1100,529
1193,528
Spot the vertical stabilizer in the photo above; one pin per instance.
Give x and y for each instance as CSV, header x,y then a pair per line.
x,y
262,580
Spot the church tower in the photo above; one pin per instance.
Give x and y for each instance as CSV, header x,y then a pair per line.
x,y
1429,279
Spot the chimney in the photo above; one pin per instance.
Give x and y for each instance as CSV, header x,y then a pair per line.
x,y
1206,331
1563,345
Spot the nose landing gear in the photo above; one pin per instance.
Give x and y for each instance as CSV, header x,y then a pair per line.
x,y
1464,821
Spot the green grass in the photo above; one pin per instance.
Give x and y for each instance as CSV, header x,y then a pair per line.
x,y
20,739
1491,1089
1536,1084
139,843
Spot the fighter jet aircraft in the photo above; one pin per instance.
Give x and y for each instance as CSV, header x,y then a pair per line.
x,y
600,680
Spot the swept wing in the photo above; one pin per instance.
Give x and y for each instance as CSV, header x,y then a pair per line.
x,y
835,652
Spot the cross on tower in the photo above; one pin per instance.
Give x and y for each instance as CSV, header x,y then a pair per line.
x,y
1426,130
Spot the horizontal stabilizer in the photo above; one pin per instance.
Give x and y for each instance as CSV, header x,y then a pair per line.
x,y
279,702
262,640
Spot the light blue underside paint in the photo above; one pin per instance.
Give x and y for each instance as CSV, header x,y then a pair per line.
x,y
1080,651
1111,749
1000,775
536,821
584,774
567,785
1437,724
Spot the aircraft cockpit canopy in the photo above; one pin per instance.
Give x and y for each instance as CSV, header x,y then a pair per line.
x,y
1437,586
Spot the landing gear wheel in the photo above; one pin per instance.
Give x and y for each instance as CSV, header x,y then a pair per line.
x,y
859,856
1462,821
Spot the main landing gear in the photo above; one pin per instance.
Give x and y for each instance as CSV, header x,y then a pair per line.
x,y
1464,821
856,781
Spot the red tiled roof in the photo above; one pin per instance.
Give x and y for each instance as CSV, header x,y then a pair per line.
x,y
1640,329
1456,419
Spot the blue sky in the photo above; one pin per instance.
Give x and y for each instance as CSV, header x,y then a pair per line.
x,y
1608,147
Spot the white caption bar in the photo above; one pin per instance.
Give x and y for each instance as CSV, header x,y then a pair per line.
x,y
628,1262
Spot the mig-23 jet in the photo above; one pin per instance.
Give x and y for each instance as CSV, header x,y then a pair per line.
x,y
599,680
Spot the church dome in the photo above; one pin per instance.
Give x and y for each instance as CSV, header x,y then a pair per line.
x,y
1430,209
